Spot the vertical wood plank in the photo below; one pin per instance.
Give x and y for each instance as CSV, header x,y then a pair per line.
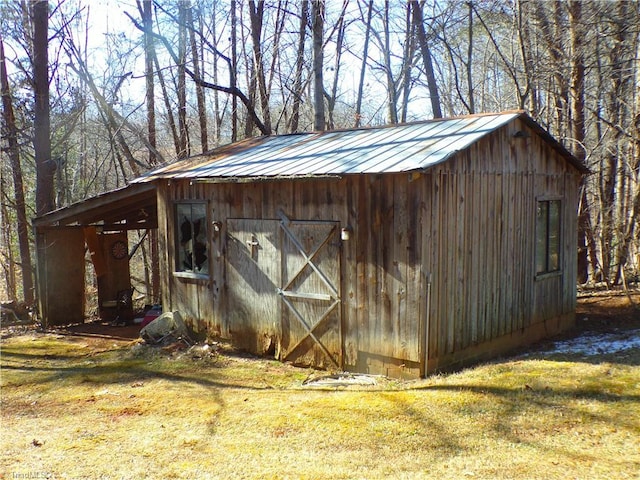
x,y
418,264
377,336
436,335
165,244
387,286
475,246
350,295
452,259
363,253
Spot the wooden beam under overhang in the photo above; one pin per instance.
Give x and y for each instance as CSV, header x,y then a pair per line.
x,y
131,207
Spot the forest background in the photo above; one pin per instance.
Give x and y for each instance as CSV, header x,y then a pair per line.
x,y
95,93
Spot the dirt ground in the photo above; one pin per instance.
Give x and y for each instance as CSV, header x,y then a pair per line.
x,y
604,311
596,311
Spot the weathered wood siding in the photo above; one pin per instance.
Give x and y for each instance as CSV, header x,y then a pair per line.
x,y
464,230
194,298
485,294
61,274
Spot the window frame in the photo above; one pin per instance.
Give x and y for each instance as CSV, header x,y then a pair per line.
x,y
178,270
548,271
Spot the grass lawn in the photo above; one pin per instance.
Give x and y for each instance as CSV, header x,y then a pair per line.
x,y
85,407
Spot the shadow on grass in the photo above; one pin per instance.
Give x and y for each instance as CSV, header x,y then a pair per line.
x,y
113,371
578,414
550,402
519,415
547,397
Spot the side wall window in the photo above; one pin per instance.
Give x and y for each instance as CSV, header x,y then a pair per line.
x,y
191,235
547,236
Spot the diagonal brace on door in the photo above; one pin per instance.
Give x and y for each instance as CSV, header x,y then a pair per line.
x,y
287,296
308,258
310,329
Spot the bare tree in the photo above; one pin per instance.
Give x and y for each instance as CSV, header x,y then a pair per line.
x,y
551,35
146,12
152,281
392,89
571,64
7,255
298,84
10,132
585,243
363,66
256,15
181,80
233,83
42,123
408,54
200,94
418,20
340,34
522,14
460,58
318,63
468,65
233,89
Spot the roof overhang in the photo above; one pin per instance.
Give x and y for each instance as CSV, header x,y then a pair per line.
x,y
132,207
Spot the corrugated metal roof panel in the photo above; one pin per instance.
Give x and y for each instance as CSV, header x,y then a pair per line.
x,y
369,150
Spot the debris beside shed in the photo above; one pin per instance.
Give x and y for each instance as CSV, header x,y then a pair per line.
x,y
344,379
168,325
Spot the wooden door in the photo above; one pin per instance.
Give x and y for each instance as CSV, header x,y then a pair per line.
x,y
310,293
253,277
283,284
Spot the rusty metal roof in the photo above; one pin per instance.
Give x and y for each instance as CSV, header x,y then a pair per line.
x,y
393,149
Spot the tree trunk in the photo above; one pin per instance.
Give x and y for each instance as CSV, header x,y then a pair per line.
x,y
472,101
167,104
331,103
586,249
183,132
363,67
297,82
7,262
200,96
407,62
392,96
256,14
45,166
234,69
318,61
627,185
252,81
552,36
149,54
217,114
523,14
13,150
147,22
426,58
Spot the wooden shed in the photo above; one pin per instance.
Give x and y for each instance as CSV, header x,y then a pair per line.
x,y
399,250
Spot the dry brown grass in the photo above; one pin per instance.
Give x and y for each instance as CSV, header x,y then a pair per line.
x,y
74,407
